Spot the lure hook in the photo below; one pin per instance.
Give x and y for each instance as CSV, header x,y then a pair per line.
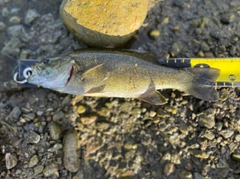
x,y
26,73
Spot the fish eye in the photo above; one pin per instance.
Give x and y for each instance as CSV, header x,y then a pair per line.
x,y
46,61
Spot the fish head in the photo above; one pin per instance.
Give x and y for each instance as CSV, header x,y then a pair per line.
x,y
53,73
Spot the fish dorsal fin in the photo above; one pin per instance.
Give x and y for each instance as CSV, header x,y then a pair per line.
x,y
91,72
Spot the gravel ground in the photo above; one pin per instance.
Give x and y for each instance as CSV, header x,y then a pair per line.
x,y
45,134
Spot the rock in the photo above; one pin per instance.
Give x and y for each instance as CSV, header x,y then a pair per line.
x,y
228,17
199,154
175,49
185,175
15,114
51,169
11,160
223,95
58,115
168,169
227,133
33,161
207,119
85,171
31,15
81,109
93,144
175,159
16,31
33,138
38,169
205,47
29,116
86,20
101,126
71,154
55,148
233,50
88,119
237,137
55,131
236,157
197,176
154,34
15,20
2,26
209,135
5,12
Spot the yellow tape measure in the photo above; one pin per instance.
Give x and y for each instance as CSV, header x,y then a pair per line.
x,y
229,68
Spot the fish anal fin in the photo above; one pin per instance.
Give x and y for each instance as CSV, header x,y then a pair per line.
x,y
90,72
153,97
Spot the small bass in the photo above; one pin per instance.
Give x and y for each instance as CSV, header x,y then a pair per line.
x,y
120,73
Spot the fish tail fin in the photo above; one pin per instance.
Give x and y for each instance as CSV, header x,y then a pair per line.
x,y
202,84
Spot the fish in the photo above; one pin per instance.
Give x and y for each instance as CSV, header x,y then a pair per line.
x,y
121,74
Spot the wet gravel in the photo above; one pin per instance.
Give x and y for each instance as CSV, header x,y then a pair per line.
x,y
45,134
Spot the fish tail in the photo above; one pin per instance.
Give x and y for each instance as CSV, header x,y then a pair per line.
x,y
202,84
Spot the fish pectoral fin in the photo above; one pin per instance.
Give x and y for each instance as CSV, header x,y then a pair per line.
x,y
91,72
98,89
153,97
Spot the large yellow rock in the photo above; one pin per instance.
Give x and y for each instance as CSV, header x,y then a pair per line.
x,y
103,23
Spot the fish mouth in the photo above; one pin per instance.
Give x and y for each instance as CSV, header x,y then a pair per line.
x,y
70,74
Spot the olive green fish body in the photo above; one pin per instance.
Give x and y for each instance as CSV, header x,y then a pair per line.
x,y
127,74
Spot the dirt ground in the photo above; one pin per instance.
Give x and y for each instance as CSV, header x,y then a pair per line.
x,y
45,134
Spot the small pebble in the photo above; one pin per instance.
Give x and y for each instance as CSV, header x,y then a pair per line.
x,y
233,50
15,10
58,115
15,114
33,161
185,175
81,109
197,176
31,15
175,159
199,154
88,119
11,160
209,135
227,133
5,12
175,49
154,34
71,154
237,137
38,169
2,26
29,116
51,169
55,131
55,148
101,126
228,17
15,20
33,138
169,168
236,157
